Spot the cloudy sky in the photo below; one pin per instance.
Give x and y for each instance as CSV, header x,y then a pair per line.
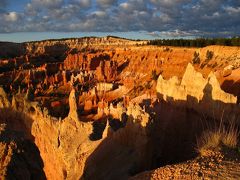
x,y
23,20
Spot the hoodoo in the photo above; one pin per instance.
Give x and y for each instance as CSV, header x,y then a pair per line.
x,y
112,108
73,105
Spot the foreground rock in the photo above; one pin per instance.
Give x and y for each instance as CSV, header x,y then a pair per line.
x,y
19,156
217,165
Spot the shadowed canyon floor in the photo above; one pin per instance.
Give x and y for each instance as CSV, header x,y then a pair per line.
x,y
110,108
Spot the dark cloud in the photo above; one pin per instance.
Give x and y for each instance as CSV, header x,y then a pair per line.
x,y
176,18
81,3
46,3
3,3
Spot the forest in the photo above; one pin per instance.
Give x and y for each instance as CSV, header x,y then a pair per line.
x,y
199,42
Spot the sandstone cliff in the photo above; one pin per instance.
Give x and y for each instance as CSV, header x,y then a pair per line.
x,y
104,108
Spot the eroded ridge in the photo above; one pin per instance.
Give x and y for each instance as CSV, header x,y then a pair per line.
x,y
104,108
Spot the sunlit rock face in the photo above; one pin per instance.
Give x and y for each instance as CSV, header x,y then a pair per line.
x,y
3,99
107,71
198,93
73,105
20,158
104,108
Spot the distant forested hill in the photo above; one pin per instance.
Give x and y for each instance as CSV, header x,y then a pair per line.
x,y
200,42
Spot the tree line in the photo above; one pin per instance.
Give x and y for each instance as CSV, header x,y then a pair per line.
x,y
199,42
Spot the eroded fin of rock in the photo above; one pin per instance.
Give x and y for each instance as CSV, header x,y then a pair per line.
x,y
14,103
4,102
73,114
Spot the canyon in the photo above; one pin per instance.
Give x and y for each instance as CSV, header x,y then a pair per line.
x,y
112,108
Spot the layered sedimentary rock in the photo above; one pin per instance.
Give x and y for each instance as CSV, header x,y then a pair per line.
x,y
129,63
57,140
198,93
90,106
56,46
77,61
49,137
107,71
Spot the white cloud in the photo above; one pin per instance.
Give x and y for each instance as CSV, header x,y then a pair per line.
x,y
125,5
232,10
100,14
11,17
169,3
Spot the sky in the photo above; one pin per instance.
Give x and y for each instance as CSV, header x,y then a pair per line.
x,y
27,20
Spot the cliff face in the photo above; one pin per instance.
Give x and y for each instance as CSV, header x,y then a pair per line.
x,y
85,61
139,62
19,155
132,63
104,108
44,47
198,93
11,49
107,71
65,147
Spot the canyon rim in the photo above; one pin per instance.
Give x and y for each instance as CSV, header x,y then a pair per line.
x,y
119,89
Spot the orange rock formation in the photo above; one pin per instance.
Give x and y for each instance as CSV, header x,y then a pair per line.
x,y
104,108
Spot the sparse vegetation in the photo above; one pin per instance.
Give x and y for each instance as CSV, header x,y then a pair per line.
x,y
209,55
166,49
214,65
148,85
154,75
230,137
196,58
215,138
203,65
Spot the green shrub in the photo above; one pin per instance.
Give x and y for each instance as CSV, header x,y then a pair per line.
x,y
209,55
154,75
196,58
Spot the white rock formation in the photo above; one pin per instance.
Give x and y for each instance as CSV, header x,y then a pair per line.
x,y
203,95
